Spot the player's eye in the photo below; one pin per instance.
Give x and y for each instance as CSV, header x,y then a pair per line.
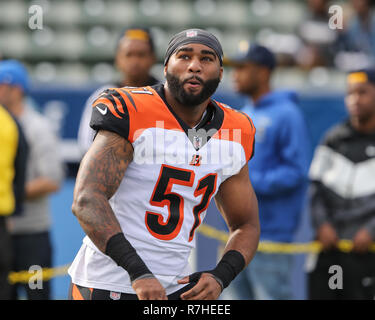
x,y
184,57
207,58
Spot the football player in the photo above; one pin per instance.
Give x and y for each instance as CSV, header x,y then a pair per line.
x,y
161,153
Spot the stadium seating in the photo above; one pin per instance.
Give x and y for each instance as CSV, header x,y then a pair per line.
x,y
78,37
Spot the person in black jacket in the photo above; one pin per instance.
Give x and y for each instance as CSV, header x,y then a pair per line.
x,y
343,197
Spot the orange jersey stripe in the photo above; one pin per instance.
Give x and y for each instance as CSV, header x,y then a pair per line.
x,y
119,105
108,104
237,127
152,112
126,98
76,294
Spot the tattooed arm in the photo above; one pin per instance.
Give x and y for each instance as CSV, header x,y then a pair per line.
x,y
100,174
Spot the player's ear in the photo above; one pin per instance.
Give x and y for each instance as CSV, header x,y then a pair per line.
x,y
221,73
165,70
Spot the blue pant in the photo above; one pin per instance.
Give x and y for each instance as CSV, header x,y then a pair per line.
x,y
267,277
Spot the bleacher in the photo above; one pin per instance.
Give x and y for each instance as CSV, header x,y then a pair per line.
x,y
77,41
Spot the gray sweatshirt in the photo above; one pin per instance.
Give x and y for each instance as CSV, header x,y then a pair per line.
x,y
44,161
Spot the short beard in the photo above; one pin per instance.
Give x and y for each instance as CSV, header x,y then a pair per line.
x,y
187,99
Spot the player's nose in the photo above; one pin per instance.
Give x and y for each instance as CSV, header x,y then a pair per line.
x,y
195,65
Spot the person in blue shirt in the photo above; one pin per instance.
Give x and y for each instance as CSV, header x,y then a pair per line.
x,y
278,170
359,35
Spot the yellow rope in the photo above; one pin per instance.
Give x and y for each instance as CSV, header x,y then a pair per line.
x,y
210,232
47,273
279,247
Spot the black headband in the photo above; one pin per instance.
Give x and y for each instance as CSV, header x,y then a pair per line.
x,y
194,36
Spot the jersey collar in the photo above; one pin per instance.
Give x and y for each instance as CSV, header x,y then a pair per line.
x,y
212,120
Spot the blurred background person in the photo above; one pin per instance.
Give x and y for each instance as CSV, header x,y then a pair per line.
x,y
278,170
15,79
13,150
44,173
320,42
135,56
360,33
343,196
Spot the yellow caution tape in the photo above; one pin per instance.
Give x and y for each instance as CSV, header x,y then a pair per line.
x,y
279,247
210,232
47,274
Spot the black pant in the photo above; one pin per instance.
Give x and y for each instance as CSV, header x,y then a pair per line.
x,y
77,292
32,249
5,260
358,272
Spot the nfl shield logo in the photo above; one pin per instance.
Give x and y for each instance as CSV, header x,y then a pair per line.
x,y
115,295
191,33
197,142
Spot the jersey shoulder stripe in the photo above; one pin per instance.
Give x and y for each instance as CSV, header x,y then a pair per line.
x,y
128,95
112,100
129,111
150,112
110,113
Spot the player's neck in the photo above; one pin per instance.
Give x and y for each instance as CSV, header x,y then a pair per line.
x,y
191,115
367,126
128,82
261,92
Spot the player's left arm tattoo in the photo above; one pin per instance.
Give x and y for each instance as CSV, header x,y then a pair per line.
x,y
100,174
238,204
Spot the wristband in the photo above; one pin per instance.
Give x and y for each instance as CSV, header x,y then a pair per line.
x,y
123,253
230,265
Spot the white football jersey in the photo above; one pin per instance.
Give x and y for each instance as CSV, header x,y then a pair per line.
x,y
167,188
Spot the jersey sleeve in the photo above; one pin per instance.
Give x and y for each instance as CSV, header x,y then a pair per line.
x,y
109,112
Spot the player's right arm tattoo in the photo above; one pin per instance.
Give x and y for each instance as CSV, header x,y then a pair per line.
x,y
100,174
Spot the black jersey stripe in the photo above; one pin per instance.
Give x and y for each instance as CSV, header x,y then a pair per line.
x,y
130,99
110,98
117,95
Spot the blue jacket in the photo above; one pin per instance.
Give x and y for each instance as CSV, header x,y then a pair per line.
x,y
279,169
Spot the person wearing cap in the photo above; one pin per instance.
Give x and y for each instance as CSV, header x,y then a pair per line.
x,y
135,56
14,153
278,170
342,197
12,77
44,173
160,154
